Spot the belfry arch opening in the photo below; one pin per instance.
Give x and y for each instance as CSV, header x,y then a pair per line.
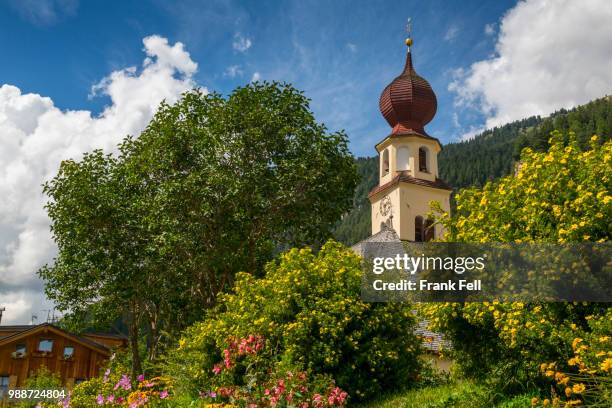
x,y
423,159
385,162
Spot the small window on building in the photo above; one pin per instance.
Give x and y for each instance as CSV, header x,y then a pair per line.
x,y
45,345
68,351
423,160
418,229
385,162
20,349
429,230
4,384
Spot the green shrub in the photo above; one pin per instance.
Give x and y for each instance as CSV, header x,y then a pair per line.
x,y
43,379
115,388
562,195
309,310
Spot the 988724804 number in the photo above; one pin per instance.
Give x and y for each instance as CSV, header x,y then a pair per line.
x,y
22,394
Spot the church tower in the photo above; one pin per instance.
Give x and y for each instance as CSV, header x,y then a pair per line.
x,y
408,160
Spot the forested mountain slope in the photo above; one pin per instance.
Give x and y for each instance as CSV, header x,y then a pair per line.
x,y
487,156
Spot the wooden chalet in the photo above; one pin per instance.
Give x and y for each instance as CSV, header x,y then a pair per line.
x,y
25,349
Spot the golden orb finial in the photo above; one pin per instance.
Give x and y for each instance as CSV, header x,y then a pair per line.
x,y
409,31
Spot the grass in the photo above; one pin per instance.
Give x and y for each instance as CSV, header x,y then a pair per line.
x,y
422,397
462,394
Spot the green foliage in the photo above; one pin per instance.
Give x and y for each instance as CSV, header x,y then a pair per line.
x,y
559,196
356,224
562,195
115,388
463,394
43,379
212,186
308,309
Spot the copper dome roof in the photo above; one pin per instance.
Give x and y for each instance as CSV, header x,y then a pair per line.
x,y
408,103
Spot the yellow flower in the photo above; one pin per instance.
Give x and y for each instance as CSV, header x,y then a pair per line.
x,y
607,364
568,391
546,402
534,401
576,341
578,388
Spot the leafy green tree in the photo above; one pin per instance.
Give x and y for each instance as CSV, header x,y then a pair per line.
x,y
211,187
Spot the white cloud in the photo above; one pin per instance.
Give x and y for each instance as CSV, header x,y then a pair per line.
x,y
36,136
256,77
233,71
451,33
352,47
489,29
549,55
241,44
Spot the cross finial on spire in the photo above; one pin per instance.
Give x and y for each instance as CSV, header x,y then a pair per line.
x,y
409,31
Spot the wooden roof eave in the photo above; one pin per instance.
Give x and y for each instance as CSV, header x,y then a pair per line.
x,y
49,328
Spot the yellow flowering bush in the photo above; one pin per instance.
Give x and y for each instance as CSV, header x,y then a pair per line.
x,y
308,309
562,195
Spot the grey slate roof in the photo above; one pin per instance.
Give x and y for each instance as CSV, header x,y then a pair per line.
x,y
432,341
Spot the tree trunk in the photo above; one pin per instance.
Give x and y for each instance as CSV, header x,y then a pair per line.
x,y
133,338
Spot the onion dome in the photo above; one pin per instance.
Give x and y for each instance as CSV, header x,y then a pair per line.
x,y
408,103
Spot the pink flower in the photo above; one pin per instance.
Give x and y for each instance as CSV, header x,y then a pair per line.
x,y
337,396
163,394
124,383
110,398
106,374
318,401
227,358
100,399
217,369
140,378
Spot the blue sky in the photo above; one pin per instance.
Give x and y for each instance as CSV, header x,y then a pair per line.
x,y
341,53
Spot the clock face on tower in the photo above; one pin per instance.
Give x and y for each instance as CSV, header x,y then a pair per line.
x,y
385,206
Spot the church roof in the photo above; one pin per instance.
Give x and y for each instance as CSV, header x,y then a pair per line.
x,y
385,235
408,103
